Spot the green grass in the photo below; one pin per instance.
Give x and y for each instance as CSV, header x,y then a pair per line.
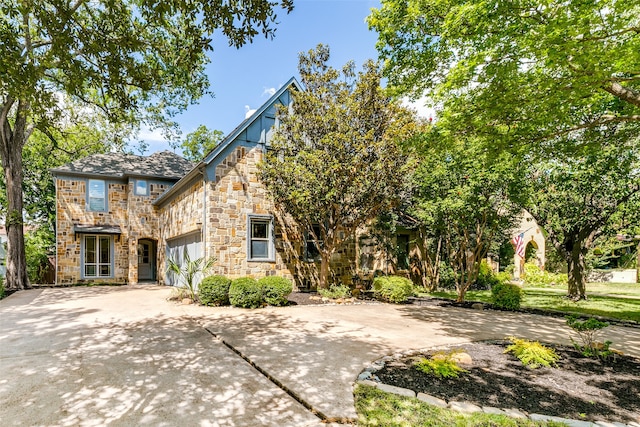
x,y
377,408
612,300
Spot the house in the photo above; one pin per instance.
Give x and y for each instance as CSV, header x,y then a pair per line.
x,y
121,217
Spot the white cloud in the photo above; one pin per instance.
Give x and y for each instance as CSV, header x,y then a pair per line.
x,y
269,91
422,106
147,134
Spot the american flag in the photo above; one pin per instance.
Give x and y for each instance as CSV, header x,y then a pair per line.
x,y
518,242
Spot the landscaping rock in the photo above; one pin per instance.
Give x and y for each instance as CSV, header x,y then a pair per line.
x,y
515,413
462,358
369,383
477,306
187,301
568,422
397,390
464,407
492,410
432,400
609,424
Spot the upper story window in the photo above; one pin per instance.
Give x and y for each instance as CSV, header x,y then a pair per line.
x,y
312,246
261,238
141,187
97,195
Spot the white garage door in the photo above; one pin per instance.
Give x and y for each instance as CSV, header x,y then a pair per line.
x,y
176,248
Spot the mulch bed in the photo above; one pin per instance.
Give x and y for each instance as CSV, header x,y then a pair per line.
x,y
577,388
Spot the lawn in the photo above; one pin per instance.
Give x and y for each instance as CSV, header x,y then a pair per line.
x,y
613,300
377,408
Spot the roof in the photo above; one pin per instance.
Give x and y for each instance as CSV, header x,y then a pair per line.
x,y
228,140
97,229
163,164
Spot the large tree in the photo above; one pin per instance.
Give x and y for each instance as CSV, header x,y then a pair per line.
x,y
574,198
336,161
129,60
200,142
462,202
520,70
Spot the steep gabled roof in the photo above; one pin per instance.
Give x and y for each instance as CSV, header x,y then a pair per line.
x,y
163,165
228,140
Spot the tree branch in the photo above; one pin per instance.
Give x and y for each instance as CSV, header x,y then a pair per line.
x,y
627,94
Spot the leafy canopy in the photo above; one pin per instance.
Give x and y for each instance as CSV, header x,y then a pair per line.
x,y
525,69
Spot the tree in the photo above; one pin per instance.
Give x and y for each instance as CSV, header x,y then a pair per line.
x,y
200,142
130,61
575,198
336,161
461,198
520,71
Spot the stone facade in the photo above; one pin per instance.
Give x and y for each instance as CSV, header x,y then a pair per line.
x,y
134,215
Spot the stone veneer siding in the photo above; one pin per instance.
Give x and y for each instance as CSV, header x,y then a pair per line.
x,y
237,193
135,215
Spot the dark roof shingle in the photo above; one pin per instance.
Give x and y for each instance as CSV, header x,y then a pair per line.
x,y
163,164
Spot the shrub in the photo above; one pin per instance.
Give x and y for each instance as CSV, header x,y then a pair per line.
x,y
275,289
534,277
392,288
532,353
441,365
335,292
1,287
587,331
486,277
506,296
214,290
447,276
245,292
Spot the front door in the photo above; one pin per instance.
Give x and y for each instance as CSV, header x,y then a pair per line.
x,y
146,260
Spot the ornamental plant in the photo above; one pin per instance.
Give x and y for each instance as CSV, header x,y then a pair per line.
x,y
214,290
275,290
392,288
506,296
440,365
245,292
587,331
532,353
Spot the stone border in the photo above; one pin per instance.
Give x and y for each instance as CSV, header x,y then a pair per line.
x,y
368,378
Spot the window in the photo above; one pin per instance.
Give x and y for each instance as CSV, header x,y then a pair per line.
x,y
141,188
312,246
97,256
97,195
261,242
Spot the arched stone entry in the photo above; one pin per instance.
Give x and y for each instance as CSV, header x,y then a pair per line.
x,y
533,237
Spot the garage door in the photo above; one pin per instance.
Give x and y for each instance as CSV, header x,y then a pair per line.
x,y
192,244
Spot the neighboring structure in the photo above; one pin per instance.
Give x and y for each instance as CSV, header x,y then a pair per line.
x,y
121,217
533,236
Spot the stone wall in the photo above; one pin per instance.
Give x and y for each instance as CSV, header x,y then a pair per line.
x,y
135,215
231,198
181,215
71,210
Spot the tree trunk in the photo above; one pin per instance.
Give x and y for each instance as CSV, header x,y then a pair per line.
x,y
576,271
11,144
324,269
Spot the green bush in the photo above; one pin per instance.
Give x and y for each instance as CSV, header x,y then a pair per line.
x,y
587,330
335,292
275,289
447,276
392,288
214,290
1,287
486,277
534,277
506,296
532,353
245,292
441,365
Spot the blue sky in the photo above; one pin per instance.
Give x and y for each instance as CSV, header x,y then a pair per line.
x,y
244,78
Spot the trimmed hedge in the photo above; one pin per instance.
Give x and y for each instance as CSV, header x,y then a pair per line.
x,y
214,290
275,289
506,296
245,292
392,288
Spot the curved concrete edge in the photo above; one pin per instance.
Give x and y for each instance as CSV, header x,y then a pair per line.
x,y
368,378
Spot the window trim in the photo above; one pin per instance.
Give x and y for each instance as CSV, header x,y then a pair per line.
x,y
135,187
271,246
105,205
83,253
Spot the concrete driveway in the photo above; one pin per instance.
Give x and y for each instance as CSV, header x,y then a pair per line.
x,y
126,356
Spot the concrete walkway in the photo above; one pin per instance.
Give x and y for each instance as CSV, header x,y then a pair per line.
x,y
126,356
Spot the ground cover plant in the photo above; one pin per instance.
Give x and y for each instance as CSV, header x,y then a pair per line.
x,y
377,408
532,353
335,292
441,365
575,387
